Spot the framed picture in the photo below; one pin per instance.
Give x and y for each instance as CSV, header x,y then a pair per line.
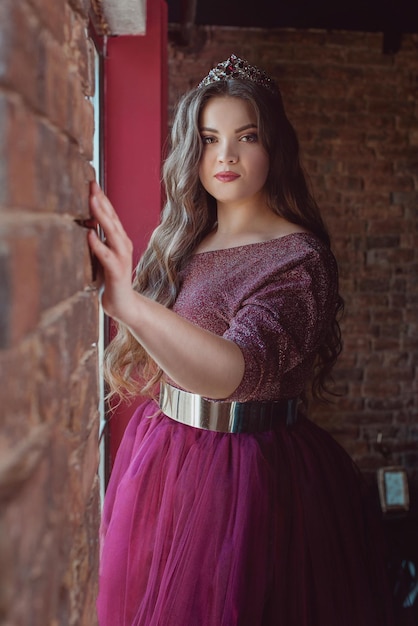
x,y
393,489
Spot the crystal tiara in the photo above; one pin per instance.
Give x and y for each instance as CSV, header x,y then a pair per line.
x,y
240,69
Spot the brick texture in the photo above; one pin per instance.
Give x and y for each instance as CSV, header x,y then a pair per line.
x,y
49,494
355,112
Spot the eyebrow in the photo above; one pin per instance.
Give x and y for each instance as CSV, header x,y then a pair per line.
x,y
237,130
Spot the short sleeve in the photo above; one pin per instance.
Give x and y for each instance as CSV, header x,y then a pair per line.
x,y
280,324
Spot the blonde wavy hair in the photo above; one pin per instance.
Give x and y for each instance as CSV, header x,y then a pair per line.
x,y
189,215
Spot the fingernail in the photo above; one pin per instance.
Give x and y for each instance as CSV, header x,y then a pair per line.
x,y
90,222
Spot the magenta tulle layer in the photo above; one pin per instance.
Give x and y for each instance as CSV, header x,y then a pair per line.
x,y
211,529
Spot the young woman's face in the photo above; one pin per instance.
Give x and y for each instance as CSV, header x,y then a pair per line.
x,y
234,164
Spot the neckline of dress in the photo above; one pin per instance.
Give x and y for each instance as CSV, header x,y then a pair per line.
x,y
256,243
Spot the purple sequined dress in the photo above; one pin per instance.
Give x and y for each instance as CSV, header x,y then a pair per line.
x,y
268,529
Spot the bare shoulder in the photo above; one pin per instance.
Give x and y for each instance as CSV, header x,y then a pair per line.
x,y
275,229
283,227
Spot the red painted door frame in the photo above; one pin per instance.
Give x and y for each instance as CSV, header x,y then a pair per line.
x,y
135,129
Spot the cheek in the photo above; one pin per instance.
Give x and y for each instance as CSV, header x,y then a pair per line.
x,y
266,166
202,170
262,168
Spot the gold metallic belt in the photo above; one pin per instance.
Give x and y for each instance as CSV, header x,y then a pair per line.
x,y
225,417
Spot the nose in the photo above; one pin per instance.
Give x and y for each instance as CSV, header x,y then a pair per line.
x,y
227,153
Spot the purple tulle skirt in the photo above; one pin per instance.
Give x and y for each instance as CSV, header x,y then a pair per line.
x,y
211,529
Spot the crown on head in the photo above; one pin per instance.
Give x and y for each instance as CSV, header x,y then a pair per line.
x,y
239,69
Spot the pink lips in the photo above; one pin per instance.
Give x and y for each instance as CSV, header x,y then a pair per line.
x,y
226,177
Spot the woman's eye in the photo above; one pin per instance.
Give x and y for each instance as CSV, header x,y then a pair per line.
x,y
251,138
208,140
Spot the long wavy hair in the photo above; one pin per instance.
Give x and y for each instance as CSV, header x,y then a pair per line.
x,y
189,215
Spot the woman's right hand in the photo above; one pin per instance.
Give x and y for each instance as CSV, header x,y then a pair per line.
x,y
114,255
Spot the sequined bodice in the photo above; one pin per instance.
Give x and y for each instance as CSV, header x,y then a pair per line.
x,y
275,299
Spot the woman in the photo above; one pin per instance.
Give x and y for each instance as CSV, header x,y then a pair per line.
x,y
227,505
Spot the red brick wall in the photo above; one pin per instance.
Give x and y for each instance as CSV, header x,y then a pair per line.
x,y
48,318
355,112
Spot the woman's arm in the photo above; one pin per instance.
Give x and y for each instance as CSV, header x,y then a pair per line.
x,y
192,357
